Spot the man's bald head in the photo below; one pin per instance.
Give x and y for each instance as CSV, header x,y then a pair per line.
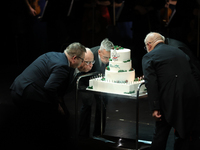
x,y
152,39
88,55
87,64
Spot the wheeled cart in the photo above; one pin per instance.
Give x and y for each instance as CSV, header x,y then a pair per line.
x,y
136,97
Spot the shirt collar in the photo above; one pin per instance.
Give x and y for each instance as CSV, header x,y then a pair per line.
x,y
76,71
67,59
100,62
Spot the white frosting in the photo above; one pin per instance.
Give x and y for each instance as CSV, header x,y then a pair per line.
x,y
120,62
121,55
120,76
117,88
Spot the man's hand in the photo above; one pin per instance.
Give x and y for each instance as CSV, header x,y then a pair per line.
x,y
156,114
32,11
60,109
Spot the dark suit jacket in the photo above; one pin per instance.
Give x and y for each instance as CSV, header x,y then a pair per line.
x,y
49,74
193,59
171,85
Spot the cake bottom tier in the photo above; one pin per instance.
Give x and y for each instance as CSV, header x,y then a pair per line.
x,y
117,88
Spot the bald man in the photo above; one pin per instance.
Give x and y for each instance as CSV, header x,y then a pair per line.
x,y
88,62
84,68
172,89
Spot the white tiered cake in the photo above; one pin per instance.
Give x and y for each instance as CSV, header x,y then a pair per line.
x,y
119,75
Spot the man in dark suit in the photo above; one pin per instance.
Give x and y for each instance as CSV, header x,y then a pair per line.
x,y
101,57
39,90
84,68
193,59
172,89
88,62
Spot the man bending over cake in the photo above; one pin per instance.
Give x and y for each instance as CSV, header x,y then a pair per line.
x,y
84,68
88,62
101,57
39,92
172,90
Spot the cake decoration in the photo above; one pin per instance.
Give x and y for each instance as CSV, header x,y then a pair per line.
x,y
138,79
122,70
127,61
115,55
117,47
126,81
107,68
90,87
103,79
114,66
131,92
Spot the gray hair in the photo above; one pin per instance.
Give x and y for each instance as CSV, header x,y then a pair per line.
x,y
155,36
106,44
75,49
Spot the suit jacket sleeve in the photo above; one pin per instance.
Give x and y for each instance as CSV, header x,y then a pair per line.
x,y
151,82
56,80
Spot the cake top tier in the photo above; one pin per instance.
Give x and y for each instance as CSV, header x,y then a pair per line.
x,y
120,54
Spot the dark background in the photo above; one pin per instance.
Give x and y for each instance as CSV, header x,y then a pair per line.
x,y
25,38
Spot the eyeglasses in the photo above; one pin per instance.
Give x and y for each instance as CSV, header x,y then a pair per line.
x,y
145,47
80,58
89,62
104,57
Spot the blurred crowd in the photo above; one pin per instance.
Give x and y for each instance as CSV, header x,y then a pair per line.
x,y
61,22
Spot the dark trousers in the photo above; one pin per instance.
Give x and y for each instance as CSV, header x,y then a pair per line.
x,y
39,123
86,110
162,129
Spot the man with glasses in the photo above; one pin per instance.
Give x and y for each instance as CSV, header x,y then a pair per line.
x,y
173,92
101,57
38,92
87,63
84,68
